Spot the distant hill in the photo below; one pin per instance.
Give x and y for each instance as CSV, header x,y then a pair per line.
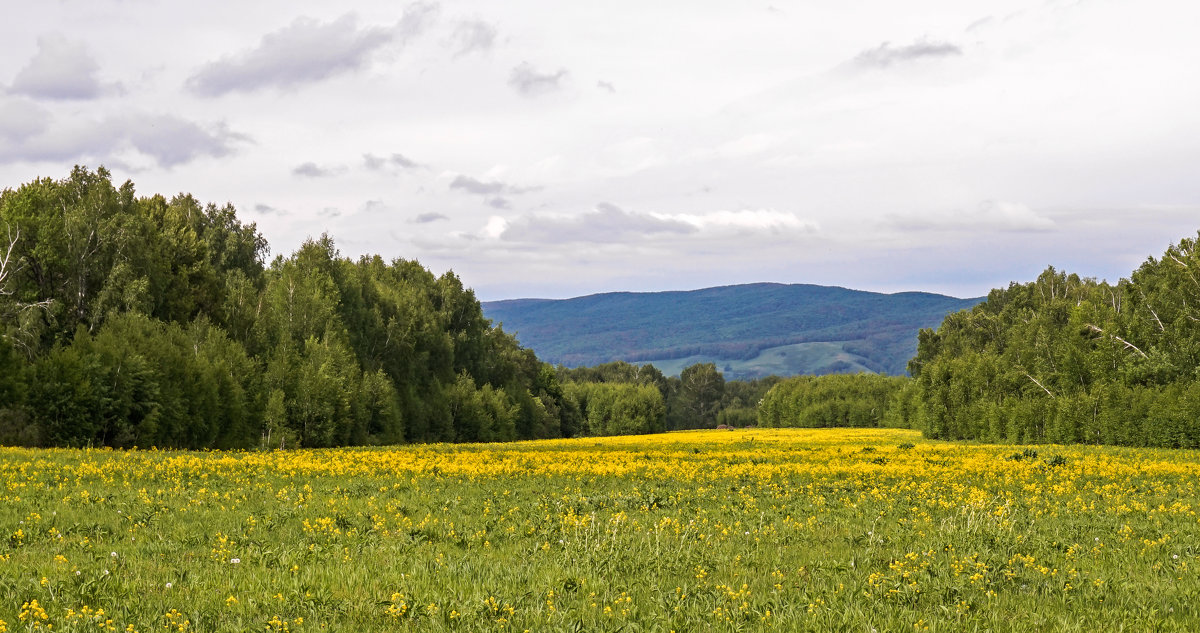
x,y
747,330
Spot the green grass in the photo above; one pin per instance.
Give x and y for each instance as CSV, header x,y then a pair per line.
x,y
805,530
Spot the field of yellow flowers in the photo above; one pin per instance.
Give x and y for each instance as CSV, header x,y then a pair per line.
x,y
790,530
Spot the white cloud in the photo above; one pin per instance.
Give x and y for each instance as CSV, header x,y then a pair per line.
x,y
887,148
472,36
313,170
885,55
531,82
496,227
266,209
606,223
376,163
21,119
745,221
61,69
306,51
487,187
989,215
426,218
166,139
610,224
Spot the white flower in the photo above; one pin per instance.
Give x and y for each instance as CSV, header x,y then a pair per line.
x,y
168,585
235,560
114,554
106,572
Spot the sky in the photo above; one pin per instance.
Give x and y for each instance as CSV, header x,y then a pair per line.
x,y
548,149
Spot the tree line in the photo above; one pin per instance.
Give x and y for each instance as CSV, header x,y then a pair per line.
x,y
840,400
1070,359
698,398
131,320
1061,359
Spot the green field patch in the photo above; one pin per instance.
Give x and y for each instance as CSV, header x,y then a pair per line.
x,y
784,360
748,530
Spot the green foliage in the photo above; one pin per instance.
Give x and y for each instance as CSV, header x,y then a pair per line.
x,y
696,401
618,371
145,321
618,408
143,382
481,414
705,401
739,403
1064,359
859,400
740,417
87,249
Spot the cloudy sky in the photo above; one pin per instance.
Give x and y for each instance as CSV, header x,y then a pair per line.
x,y
541,148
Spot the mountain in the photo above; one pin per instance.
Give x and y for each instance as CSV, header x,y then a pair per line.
x,y
748,330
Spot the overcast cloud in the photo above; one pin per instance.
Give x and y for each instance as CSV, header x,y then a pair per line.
x,y
426,218
313,170
532,82
21,119
605,223
473,36
989,215
61,69
267,209
543,149
886,55
303,52
487,188
373,162
163,139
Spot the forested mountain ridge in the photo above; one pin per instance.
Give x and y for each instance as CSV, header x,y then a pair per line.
x,y
727,323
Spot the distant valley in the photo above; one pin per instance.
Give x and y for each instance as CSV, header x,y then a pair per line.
x,y
748,330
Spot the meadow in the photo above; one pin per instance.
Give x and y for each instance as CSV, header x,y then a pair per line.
x,y
793,530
